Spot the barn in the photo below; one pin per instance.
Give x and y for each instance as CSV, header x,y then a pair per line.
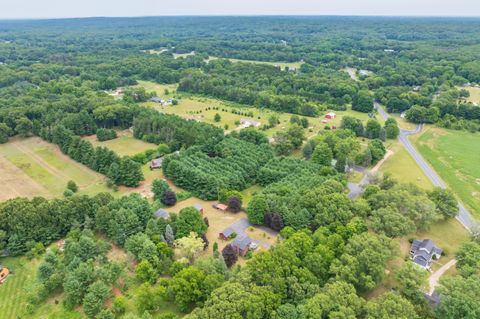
x,y
330,115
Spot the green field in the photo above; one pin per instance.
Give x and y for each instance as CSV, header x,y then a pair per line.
x,y
124,145
474,94
282,65
455,155
32,167
403,168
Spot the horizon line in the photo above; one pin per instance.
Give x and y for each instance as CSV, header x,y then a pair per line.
x,y
236,16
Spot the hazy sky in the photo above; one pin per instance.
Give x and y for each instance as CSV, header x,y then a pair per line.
x,y
89,8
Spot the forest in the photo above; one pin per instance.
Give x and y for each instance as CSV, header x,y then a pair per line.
x,y
66,80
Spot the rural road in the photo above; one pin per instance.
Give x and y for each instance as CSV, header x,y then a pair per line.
x,y
435,277
464,216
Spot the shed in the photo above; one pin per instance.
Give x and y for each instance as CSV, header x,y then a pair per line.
x,y
157,99
220,206
330,115
156,163
161,213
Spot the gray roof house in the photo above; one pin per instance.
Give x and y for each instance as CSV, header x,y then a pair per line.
x,y
423,252
161,213
226,233
156,163
157,99
242,244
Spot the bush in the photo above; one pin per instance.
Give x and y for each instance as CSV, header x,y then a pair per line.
x,y
104,134
169,198
71,185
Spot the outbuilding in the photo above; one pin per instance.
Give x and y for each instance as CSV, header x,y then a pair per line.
x,y
4,272
242,244
156,163
220,206
330,115
161,213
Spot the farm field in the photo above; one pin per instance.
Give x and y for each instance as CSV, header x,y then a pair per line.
x,y
455,156
403,168
282,65
474,94
32,167
124,145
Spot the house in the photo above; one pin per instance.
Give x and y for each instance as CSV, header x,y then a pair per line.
x,y
247,123
365,72
61,245
161,213
330,115
4,272
198,207
242,244
220,206
226,233
157,99
423,252
156,163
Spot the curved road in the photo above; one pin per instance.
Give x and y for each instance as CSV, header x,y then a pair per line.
x,y
464,216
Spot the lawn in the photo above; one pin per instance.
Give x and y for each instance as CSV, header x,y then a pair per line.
x,y
32,167
455,156
124,145
474,94
282,65
403,168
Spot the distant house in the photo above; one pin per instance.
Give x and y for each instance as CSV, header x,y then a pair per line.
x,y
242,244
330,115
247,123
198,207
364,72
4,272
423,252
220,206
156,163
61,245
157,99
161,213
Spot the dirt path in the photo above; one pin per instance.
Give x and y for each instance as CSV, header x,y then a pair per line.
x,y
380,163
435,277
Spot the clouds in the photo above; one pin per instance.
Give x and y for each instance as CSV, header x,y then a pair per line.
x,y
87,8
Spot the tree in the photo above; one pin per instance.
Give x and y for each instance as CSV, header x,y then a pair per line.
x,y
159,187
229,255
217,118
468,256
390,306
169,236
71,185
234,204
362,102
445,202
5,132
256,209
98,292
390,222
190,220
149,298
411,279
24,127
372,129
296,135
169,198
322,155
190,246
145,272
459,297
391,128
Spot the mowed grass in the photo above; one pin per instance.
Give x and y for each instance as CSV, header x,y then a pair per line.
x,y
403,168
474,94
281,65
124,145
44,170
455,155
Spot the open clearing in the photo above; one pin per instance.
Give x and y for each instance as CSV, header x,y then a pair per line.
x,y
32,167
474,94
403,168
281,65
455,156
124,144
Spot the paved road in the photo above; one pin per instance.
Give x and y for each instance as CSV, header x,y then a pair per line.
x,y
464,216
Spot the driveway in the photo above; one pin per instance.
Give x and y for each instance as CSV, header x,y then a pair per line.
x,y
464,216
435,277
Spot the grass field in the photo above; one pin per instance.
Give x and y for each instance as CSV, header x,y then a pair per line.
x,y
32,167
474,94
403,168
282,65
455,155
124,144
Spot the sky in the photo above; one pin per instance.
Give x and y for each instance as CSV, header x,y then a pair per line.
x,y
13,9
